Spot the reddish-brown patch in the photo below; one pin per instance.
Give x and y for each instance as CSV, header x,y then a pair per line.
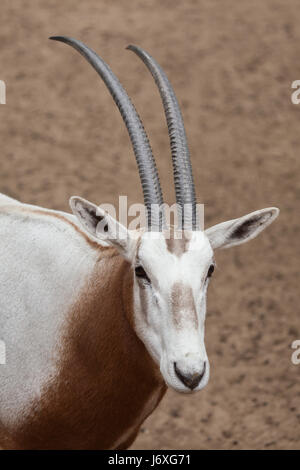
x,y
177,241
105,377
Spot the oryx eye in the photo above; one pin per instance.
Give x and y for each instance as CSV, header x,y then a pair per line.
x,y
141,273
210,270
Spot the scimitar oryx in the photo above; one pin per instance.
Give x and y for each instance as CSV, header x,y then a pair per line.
x,y
98,319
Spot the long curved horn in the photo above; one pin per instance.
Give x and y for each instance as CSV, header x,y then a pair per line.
x,y
146,164
182,169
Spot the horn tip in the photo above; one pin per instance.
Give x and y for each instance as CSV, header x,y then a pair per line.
x,y
59,38
132,47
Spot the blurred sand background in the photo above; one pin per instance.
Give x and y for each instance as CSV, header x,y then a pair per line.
x,y
231,64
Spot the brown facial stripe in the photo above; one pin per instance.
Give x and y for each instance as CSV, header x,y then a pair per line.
x,y
183,305
177,241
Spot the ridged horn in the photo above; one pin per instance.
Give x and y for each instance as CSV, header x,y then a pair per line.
x,y
182,169
146,164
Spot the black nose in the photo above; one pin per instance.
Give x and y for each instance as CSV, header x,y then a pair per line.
x,y
189,380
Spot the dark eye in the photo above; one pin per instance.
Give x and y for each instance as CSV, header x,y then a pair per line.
x,y
211,270
141,273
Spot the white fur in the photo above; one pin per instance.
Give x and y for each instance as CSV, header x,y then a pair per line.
x,y
166,342
44,263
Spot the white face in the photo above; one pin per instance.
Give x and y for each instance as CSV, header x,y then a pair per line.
x,y
170,286
171,276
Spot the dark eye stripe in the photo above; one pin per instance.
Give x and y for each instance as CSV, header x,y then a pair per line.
x,y
141,273
210,270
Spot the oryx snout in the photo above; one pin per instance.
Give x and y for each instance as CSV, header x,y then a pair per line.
x,y
192,371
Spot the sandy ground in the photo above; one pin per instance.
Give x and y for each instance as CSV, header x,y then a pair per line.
x,y
231,64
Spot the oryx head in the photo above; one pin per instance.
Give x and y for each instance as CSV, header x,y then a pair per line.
x,y
172,267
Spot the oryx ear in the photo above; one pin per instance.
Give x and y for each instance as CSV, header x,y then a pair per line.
x,y
238,231
100,224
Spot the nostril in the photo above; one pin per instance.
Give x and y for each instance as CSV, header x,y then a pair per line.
x,y
189,380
